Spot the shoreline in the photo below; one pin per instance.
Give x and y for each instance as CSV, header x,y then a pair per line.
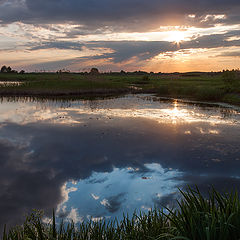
x,y
90,94
203,88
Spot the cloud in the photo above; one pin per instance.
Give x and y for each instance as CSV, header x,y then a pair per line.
x,y
135,15
95,197
137,51
59,45
113,203
115,52
73,216
213,41
229,54
168,200
89,27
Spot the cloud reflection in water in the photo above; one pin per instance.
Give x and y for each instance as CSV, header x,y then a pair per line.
x,y
122,190
120,154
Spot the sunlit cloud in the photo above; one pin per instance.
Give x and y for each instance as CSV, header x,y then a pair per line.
x,y
95,197
73,216
63,35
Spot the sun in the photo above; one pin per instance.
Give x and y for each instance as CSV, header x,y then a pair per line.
x,y
176,36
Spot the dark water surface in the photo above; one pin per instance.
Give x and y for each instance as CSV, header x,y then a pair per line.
x,y
94,159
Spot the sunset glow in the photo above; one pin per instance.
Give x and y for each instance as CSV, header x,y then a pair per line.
x,y
77,39
176,36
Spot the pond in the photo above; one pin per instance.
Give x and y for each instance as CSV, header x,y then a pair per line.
x,y
102,158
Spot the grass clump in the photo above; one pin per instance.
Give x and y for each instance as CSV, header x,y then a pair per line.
x,y
216,216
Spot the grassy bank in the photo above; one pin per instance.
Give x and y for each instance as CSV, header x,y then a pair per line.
x,y
215,217
219,87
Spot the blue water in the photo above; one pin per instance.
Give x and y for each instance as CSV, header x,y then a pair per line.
x,y
100,159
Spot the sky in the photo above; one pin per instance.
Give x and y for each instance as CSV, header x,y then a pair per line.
x,y
130,35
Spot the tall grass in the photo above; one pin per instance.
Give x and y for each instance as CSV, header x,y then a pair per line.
x,y
216,216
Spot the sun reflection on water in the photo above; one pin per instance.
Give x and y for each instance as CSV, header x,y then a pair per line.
x,y
80,112
175,114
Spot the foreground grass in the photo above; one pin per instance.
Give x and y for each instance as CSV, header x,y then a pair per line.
x,y
202,87
215,217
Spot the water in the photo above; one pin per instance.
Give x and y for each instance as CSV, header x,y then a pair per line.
x,y
98,159
10,83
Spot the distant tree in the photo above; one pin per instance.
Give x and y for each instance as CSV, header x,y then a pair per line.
x,y
63,71
9,69
22,72
94,71
4,69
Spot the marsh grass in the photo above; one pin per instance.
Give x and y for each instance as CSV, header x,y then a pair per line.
x,y
201,87
216,216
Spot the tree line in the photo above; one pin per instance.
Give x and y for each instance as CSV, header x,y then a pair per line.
x,y
228,74
5,69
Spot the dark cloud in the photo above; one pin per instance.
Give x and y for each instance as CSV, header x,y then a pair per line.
x,y
121,51
213,41
229,54
60,45
126,15
124,50
17,178
114,202
168,200
205,183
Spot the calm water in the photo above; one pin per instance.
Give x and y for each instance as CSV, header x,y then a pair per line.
x,y
10,83
94,159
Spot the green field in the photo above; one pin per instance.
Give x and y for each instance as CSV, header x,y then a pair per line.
x,y
215,217
218,87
